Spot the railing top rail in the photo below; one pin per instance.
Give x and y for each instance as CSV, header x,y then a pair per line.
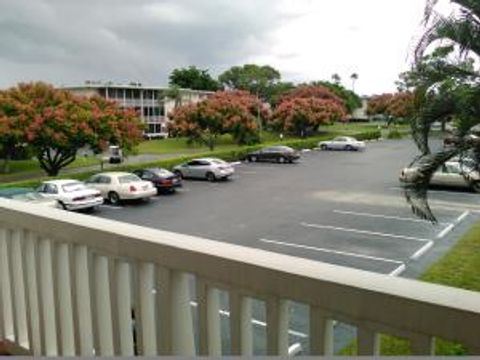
x,y
347,292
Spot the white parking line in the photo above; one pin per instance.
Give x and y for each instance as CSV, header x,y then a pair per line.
x,y
330,251
422,251
445,231
357,231
398,270
462,217
113,207
382,216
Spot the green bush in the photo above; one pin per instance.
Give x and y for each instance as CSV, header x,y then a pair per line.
x,y
394,134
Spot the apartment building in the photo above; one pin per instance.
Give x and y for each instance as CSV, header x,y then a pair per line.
x,y
150,102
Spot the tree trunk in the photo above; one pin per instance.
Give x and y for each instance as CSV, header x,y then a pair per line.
x,y
8,151
53,165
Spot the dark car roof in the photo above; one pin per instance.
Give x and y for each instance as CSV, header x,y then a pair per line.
x,y
279,147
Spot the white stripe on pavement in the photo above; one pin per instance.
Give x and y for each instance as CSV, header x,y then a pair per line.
x,y
330,251
462,217
357,231
398,270
422,251
381,216
445,231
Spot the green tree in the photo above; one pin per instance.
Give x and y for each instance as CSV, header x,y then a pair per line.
x,y
193,78
445,87
258,80
351,99
336,78
56,124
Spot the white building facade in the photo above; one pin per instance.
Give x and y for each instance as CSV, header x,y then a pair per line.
x,y
151,102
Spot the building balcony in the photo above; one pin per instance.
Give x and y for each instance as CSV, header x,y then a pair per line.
x,y
75,284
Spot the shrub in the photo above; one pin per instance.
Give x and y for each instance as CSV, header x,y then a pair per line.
x,y
394,134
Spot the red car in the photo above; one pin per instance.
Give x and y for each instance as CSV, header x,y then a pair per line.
x,y
164,180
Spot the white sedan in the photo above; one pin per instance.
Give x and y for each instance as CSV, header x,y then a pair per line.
x,y
118,186
71,194
342,143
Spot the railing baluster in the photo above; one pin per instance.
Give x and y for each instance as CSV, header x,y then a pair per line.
x,y
277,327
7,310
321,333
182,326
368,342
19,288
164,310
241,324
124,308
64,295
84,307
422,345
103,307
47,295
210,340
32,292
147,309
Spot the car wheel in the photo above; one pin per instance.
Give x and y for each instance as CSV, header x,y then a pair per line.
x,y
253,159
476,186
113,198
178,173
348,148
324,147
210,176
281,160
64,207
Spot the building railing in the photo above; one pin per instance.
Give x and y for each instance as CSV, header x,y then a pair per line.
x,y
75,284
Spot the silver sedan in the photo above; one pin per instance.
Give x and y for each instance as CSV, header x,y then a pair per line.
x,y
452,174
342,143
206,168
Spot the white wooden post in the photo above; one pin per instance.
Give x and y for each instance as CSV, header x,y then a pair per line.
x,y
241,324
47,296
7,308
182,325
210,340
19,288
32,289
84,308
321,333
124,307
368,342
103,307
277,327
147,309
64,291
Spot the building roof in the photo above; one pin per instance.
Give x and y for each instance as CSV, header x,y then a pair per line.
x,y
134,86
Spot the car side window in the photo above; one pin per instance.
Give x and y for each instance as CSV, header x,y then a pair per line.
x,y
192,163
203,163
41,188
453,169
51,189
104,180
147,175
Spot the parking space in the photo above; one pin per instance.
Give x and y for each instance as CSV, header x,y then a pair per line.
x,y
338,207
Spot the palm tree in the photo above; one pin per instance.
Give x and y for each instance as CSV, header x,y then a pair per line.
x,y
445,90
336,78
354,78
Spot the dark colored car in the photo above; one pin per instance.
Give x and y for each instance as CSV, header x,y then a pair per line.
x,y
280,154
164,180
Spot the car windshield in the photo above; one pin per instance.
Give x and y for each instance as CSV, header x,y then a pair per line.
x,y
125,179
162,172
73,186
28,196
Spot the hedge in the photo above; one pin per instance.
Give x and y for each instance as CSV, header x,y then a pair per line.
x,y
227,155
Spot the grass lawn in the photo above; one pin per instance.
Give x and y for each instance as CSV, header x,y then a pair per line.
x,y
459,268
18,166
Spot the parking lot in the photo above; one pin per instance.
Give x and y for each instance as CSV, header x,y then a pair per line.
x,y
344,208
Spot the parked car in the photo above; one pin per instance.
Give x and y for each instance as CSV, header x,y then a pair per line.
x,y
452,174
163,179
28,195
342,143
115,154
118,186
281,154
71,194
205,168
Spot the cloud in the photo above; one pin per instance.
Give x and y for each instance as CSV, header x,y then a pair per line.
x,y
68,41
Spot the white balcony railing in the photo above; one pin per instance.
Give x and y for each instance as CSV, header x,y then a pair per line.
x,y
71,284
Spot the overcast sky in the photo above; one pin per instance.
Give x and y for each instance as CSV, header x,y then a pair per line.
x,y
70,41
